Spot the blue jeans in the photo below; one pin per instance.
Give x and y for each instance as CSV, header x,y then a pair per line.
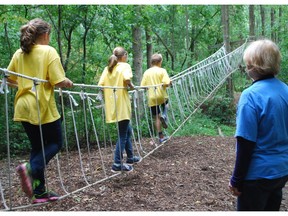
x,y
123,142
261,195
52,138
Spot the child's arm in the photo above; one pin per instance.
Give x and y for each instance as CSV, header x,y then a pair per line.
x,y
129,84
67,83
167,85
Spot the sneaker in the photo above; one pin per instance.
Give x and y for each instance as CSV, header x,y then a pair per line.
x,y
163,120
24,172
161,140
125,168
47,196
134,160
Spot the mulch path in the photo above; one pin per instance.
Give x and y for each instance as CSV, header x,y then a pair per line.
x,y
185,174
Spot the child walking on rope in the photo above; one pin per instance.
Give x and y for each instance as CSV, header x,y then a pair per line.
x,y
118,74
157,96
37,59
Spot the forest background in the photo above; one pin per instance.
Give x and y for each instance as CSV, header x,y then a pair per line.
x,y
85,36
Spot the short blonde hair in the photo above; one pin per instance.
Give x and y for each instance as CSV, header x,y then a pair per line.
x,y
263,57
156,58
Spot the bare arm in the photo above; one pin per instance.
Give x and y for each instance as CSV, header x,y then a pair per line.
x,y
167,85
129,84
67,83
12,83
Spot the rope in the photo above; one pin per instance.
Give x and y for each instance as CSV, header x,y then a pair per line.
x,y
86,128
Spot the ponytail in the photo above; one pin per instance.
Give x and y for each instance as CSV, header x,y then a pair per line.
x,y
113,60
31,31
27,38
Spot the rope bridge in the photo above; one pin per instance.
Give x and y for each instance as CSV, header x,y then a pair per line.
x,y
89,142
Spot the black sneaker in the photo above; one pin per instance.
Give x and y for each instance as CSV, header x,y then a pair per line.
x,y
134,160
45,197
125,168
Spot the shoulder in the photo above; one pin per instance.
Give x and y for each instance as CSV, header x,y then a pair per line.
x,y
123,65
105,70
18,52
46,49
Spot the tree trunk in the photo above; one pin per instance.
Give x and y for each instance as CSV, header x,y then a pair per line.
x,y
251,22
137,53
262,12
226,37
8,41
84,53
59,33
273,32
172,32
149,46
279,36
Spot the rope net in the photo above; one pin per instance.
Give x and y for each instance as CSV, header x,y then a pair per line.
x,y
89,142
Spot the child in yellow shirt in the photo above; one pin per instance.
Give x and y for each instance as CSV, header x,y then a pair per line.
x,y
37,59
118,73
157,96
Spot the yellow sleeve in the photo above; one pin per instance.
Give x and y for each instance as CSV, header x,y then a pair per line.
x,y
102,78
56,73
127,72
12,67
165,79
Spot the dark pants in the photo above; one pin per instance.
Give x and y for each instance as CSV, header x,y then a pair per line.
x,y
261,195
124,142
52,138
156,110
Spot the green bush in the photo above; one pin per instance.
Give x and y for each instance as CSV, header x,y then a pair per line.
x,y
220,109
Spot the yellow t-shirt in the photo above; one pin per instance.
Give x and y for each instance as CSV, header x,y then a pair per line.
x,y
154,76
42,62
117,104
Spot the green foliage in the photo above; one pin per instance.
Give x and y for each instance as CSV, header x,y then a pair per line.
x,y
201,124
220,109
184,34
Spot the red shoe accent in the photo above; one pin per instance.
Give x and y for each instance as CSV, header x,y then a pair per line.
x,y
40,200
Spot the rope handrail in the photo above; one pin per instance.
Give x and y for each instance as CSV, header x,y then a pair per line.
x,y
85,129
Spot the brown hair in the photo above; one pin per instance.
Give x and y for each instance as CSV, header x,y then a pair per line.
x,y
31,31
118,53
156,59
262,58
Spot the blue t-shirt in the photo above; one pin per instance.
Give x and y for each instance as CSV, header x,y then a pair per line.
x,y
262,117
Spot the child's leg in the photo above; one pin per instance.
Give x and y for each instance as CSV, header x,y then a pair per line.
x,y
36,155
123,127
52,137
128,145
165,107
155,110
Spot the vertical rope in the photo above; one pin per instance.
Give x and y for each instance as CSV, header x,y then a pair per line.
x,y
35,83
8,142
189,91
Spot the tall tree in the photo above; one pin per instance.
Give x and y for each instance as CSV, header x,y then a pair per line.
x,y
251,22
137,45
226,38
87,23
149,46
273,30
279,24
262,12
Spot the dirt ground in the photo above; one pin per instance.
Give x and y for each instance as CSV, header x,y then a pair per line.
x,y
185,174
